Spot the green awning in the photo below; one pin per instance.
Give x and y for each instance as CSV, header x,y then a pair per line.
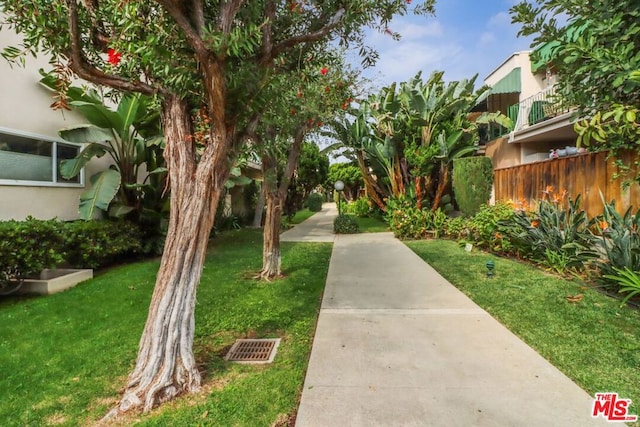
x,y
511,83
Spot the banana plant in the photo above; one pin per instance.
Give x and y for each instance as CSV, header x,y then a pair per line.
x,y
119,133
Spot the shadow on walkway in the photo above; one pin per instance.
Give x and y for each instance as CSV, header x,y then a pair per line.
x,y
398,345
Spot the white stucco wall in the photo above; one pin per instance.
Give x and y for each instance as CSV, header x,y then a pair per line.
x,y
24,107
530,83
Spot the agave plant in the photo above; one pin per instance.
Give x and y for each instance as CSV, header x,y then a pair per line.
x,y
628,280
554,236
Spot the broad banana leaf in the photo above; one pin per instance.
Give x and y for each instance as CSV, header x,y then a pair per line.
x,y
85,133
117,210
104,187
99,115
128,110
72,167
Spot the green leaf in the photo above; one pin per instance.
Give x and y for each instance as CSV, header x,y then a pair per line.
x,y
85,134
72,167
158,171
104,187
155,141
118,210
127,110
99,115
140,151
631,116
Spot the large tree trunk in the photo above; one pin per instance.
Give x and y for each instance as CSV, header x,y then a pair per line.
x,y
259,211
166,366
271,258
276,196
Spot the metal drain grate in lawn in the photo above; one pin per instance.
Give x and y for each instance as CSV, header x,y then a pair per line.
x,y
253,350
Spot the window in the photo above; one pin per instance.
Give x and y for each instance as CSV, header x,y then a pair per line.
x,y
27,159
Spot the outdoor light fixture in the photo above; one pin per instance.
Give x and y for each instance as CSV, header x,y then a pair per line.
x,y
339,186
490,266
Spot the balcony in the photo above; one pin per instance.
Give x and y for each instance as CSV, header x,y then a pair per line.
x,y
541,117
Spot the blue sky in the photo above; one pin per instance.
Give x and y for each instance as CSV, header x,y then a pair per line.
x,y
464,38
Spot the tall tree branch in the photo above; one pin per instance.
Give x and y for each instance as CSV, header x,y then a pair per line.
x,y
332,23
267,29
197,15
175,10
228,12
88,72
292,160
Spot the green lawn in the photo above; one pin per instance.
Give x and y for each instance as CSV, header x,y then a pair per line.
x,y
372,225
592,340
63,358
300,216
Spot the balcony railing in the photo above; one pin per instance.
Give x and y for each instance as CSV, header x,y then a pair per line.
x,y
542,106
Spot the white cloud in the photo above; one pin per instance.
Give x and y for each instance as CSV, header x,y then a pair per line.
x,y
403,61
500,19
486,38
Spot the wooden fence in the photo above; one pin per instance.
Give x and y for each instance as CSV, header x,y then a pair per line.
x,y
587,174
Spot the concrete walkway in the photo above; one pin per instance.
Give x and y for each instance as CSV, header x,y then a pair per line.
x,y
397,345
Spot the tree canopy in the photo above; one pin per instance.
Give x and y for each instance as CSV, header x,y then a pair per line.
x,y
595,50
208,63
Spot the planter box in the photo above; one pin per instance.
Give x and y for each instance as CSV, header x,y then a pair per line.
x,y
53,281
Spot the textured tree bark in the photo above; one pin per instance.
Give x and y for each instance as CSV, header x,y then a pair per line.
x,y
443,180
419,191
276,196
271,257
166,367
259,211
369,183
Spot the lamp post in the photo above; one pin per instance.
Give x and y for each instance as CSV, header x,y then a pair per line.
x,y
339,186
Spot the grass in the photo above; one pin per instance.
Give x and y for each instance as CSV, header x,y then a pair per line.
x,y
593,341
64,357
372,225
300,216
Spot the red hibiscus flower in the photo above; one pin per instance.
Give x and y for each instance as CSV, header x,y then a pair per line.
x,y
324,70
113,57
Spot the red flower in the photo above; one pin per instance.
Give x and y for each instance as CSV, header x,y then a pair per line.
x,y
327,89
408,1
324,70
113,57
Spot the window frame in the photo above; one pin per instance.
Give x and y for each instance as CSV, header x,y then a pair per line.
x,y
54,156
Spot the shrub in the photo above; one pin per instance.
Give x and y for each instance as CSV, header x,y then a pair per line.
x,y
472,182
457,228
95,244
490,227
314,202
360,207
345,224
27,247
408,222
